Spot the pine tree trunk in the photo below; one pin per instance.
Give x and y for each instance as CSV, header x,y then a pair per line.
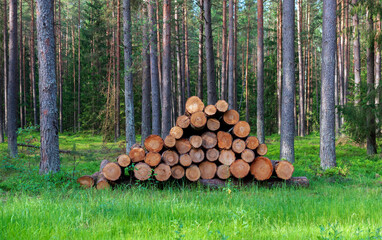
x,y
21,67
327,115
166,69
235,65
74,81
128,77
117,133
60,81
79,68
231,57
50,159
159,52
146,86
32,57
246,73
200,52
224,85
3,84
155,87
279,63
260,72
186,62
288,84
301,75
211,83
179,75
378,64
346,51
371,144
12,80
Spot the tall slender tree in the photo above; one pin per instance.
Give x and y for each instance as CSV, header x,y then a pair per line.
x,y
50,159
288,84
12,80
186,52
279,61
3,84
32,57
224,85
60,81
179,62
231,57
327,114
155,87
211,83
246,70
260,72
357,56
128,76
79,68
117,107
21,66
200,51
166,69
301,75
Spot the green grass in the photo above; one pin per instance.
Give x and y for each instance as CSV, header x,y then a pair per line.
x,y
343,203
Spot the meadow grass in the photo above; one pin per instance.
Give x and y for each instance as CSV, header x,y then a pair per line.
x,y
343,203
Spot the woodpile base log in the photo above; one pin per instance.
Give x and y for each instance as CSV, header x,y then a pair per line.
x,y
142,171
177,172
102,182
261,168
239,169
193,173
112,171
162,172
223,172
123,160
207,170
283,169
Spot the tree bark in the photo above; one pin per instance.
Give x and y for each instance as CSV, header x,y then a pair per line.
x,y
128,75
60,81
260,72
155,87
200,52
12,80
21,66
3,84
166,69
117,130
224,86
327,121
371,143
246,73
179,75
50,159
146,86
231,57
79,68
288,84
301,74
357,57
378,64
211,83
186,61
279,63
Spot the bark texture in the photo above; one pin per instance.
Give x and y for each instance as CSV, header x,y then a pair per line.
x,y
260,72
146,86
231,57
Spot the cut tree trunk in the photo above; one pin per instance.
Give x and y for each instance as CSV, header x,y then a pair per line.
x,y
227,157
231,117
112,171
171,158
176,132
177,172
153,159
196,141
88,181
193,173
248,155
210,110
185,160
212,154
183,121
207,170
221,106
283,169
197,155
213,124
102,182
238,145
239,168
154,143
252,142
183,146
261,168
162,172
123,160
137,153
223,172
198,120
262,149
241,129
142,171
169,141
224,140
194,104
209,140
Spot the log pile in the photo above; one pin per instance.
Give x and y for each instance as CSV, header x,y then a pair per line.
x,y
208,142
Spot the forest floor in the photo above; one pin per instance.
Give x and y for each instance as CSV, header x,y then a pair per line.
x,y
341,203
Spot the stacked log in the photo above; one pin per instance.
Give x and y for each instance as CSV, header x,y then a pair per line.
x,y
208,142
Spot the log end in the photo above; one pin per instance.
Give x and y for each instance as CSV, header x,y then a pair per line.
x,y
193,173
154,143
153,159
142,171
239,168
241,129
252,142
262,149
207,170
284,170
221,106
123,160
261,168
176,132
169,141
112,171
194,104
177,172
210,110
162,172
86,181
223,172
231,117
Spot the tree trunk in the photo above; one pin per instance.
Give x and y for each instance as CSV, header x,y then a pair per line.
x,y
180,87
200,53
371,143
12,80
117,130
327,121
60,81
260,72
288,84
79,68
301,75
129,91
3,84
279,62
211,83
378,64
231,57
357,58
146,86
166,69
235,65
246,73
159,52
186,62
155,88
224,85
346,50
21,66
50,159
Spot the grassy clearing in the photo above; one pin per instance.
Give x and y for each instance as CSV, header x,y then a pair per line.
x,y
343,203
